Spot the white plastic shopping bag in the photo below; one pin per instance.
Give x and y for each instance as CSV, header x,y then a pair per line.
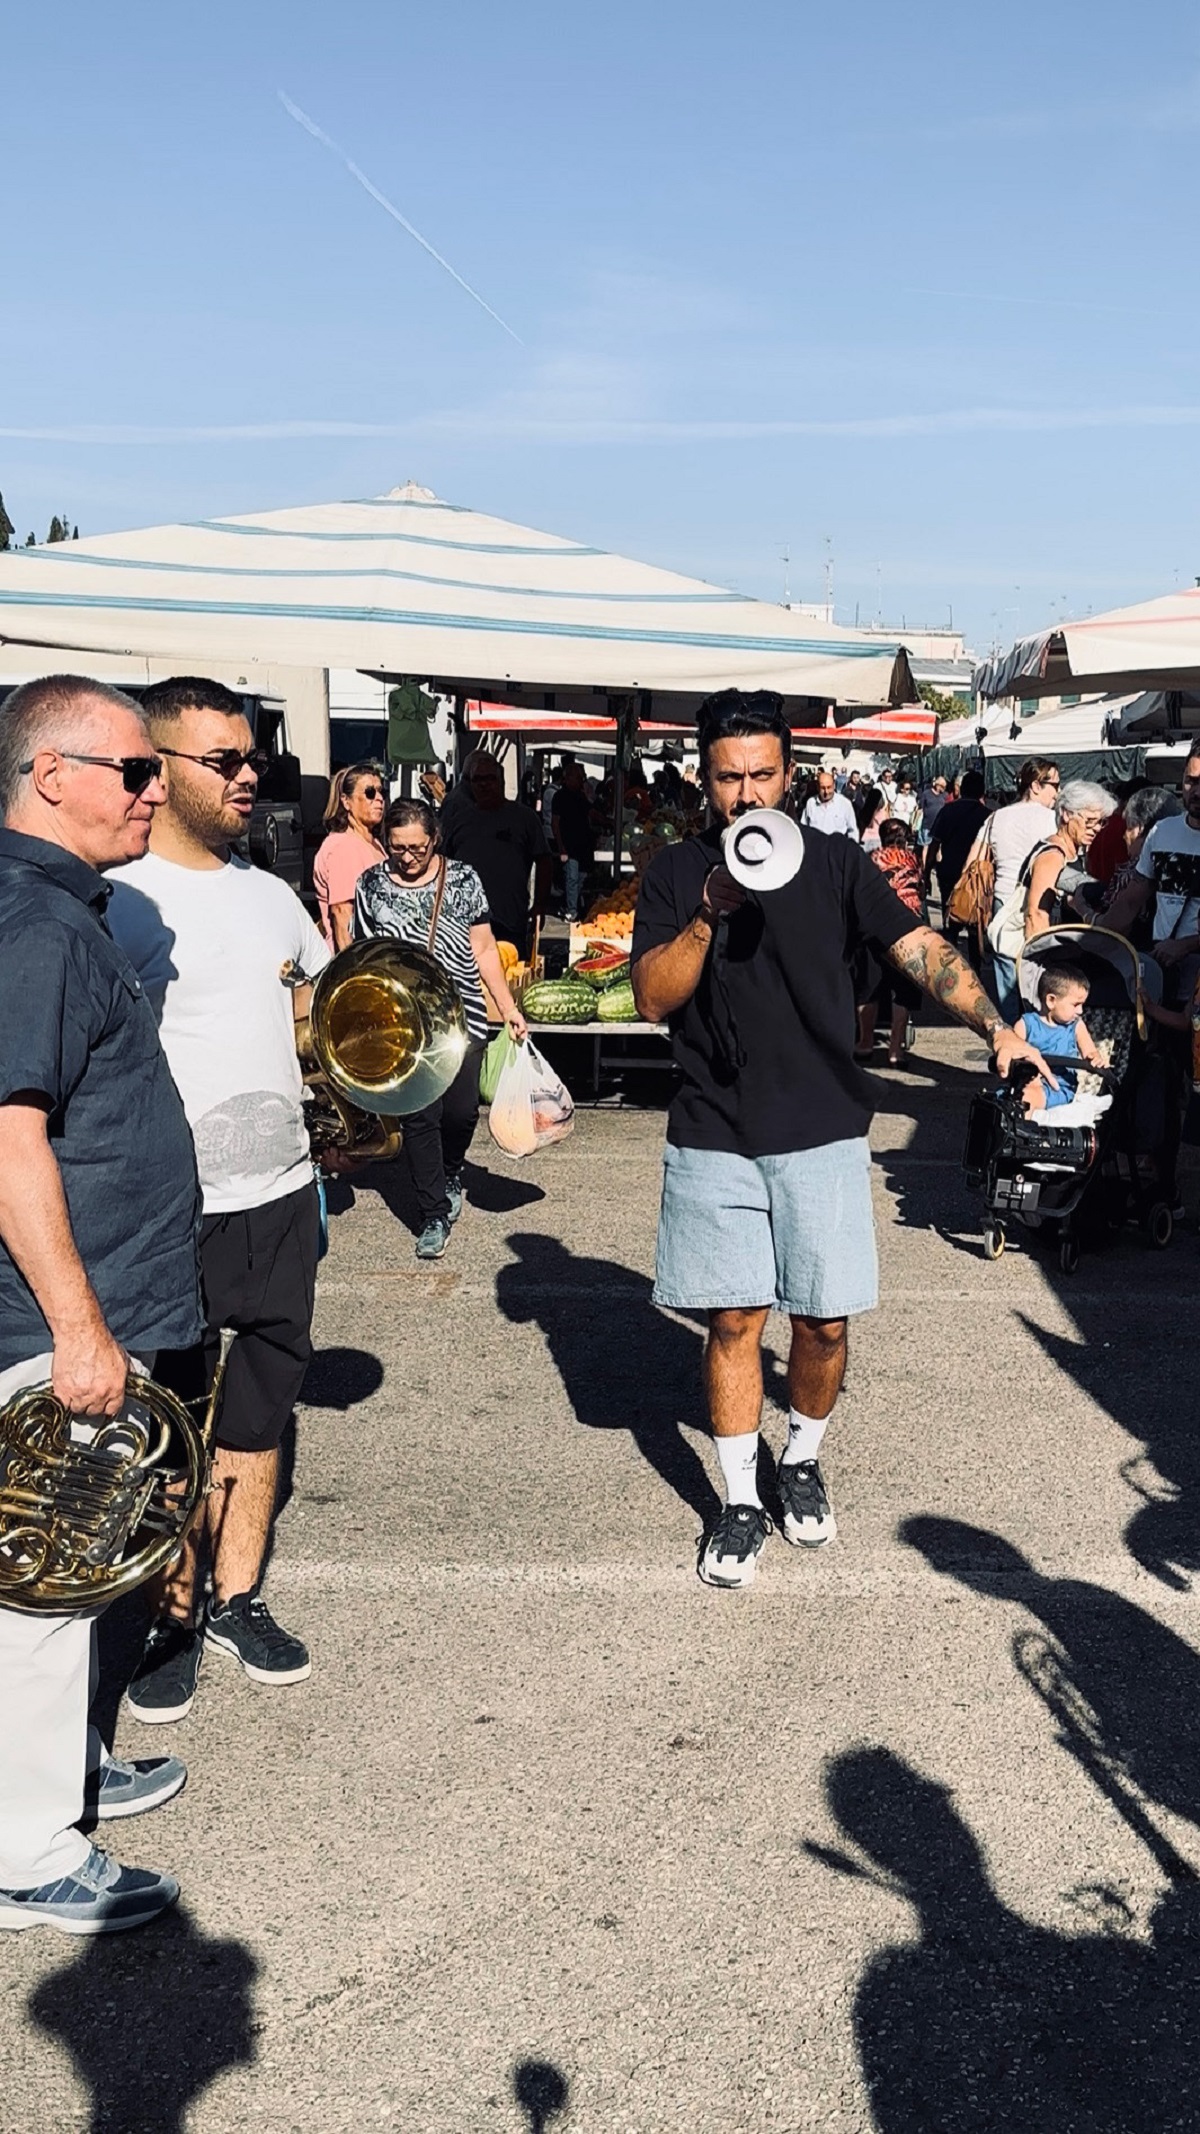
x,y
531,1107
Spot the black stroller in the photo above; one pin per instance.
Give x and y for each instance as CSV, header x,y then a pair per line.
x,y
1075,1183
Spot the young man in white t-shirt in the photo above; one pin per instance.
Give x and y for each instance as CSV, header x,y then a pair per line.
x,y
209,936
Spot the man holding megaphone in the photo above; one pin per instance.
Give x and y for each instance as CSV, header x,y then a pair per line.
x,y
743,943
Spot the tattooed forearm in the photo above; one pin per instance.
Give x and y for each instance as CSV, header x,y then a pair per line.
x,y
948,978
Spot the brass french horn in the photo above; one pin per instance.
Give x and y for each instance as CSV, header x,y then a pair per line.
x,y
385,1035
90,1508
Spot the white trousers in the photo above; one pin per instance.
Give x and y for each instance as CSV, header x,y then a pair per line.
x,y
47,1669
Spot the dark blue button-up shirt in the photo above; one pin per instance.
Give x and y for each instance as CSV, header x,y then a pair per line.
x,y
76,1028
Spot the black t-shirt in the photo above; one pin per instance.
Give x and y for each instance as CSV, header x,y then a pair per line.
x,y
766,1042
954,833
573,824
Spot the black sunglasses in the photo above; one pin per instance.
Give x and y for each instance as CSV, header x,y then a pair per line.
x,y
369,792
227,762
137,772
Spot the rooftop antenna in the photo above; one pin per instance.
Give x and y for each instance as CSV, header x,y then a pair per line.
x,y
829,575
786,560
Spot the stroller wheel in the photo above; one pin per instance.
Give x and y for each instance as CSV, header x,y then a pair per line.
x,y
1160,1226
994,1240
1068,1254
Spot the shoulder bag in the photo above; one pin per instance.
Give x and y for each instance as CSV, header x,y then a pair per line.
x,y
974,893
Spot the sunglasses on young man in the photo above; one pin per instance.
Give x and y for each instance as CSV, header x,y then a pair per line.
x,y
227,762
137,772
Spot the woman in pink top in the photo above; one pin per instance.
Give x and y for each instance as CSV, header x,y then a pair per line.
x,y
357,798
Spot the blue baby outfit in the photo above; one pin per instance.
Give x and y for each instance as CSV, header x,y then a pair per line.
x,y
1054,1040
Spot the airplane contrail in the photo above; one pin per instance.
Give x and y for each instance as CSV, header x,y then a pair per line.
x,y
318,133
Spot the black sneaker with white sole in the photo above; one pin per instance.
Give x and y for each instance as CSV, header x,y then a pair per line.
x,y
164,1685
730,1555
808,1521
244,1627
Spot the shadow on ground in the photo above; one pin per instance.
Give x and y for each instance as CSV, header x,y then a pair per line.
x,y
491,1192
624,1364
985,2021
542,2091
1125,1301
148,2021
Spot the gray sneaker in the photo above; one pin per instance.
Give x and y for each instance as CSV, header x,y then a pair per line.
x,y
455,1194
101,1897
433,1240
133,1788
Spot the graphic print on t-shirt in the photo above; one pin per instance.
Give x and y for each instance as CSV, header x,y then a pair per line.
x,y
255,1134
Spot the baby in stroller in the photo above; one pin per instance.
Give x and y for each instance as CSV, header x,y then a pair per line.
x,y
1059,1032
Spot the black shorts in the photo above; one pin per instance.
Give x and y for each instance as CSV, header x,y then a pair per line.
x,y
258,1272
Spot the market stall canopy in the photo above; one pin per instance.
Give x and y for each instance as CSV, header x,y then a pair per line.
x,y
910,726
405,585
1085,740
1157,711
1153,646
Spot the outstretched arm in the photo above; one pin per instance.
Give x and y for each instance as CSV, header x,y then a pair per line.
x,y
947,977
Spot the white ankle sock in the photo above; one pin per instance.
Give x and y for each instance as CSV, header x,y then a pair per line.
x,y
739,1468
804,1438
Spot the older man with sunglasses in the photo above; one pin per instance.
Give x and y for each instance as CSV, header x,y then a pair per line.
x,y
98,1215
210,936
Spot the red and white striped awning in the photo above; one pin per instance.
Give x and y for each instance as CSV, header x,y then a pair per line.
x,y
910,726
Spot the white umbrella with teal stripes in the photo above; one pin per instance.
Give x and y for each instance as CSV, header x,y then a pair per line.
x,y
405,584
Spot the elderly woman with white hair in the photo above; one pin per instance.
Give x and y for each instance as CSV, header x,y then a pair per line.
x,y
1056,870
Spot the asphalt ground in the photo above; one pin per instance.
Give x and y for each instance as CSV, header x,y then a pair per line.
x,y
557,1838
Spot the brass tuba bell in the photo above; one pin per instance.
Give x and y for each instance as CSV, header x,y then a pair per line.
x,y
385,1035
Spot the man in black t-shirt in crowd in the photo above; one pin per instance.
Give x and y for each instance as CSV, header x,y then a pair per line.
x,y
575,844
766,1192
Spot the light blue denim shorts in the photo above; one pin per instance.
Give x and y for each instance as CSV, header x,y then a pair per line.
x,y
794,1231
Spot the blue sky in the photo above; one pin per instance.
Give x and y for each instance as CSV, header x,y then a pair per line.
x,y
914,283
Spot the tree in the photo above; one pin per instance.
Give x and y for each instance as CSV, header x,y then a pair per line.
x,y
7,529
940,700
75,535
31,540
58,531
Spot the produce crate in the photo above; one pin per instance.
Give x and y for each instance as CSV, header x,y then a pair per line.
x,y
523,975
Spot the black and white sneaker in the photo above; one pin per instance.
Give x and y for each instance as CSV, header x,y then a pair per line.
x,y
808,1521
244,1627
730,1555
164,1685
455,1194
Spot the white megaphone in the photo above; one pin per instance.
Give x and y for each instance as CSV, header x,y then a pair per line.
x,y
762,849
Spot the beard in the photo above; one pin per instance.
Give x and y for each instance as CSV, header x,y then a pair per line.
x,y
206,816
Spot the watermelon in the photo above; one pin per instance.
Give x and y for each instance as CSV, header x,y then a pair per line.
x,y
617,1004
599,962
559,1000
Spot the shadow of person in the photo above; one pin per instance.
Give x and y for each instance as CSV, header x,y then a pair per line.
x,y
150,2020
1143,1387
623,1364
496,1193
339,1378
542,2091
925,1175
985,2021
1124,1689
